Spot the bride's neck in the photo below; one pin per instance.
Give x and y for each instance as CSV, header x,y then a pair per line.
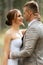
x,y
15,27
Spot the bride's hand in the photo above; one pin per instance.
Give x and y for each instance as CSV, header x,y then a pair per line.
x,y
23,31
13,55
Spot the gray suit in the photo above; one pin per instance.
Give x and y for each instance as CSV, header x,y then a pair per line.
x,y
32,52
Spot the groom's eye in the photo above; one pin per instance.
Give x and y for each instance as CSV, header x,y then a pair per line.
x,y
23,13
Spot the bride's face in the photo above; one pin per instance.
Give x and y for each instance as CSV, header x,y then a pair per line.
x,y
19,18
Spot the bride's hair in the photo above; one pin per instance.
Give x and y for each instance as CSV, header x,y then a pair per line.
x,y
12,14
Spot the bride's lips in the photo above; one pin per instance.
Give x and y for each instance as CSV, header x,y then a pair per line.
x,y
21,20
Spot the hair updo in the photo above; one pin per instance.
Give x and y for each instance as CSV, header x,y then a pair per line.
x,y
10,16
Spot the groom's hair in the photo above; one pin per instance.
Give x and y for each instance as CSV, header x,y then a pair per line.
x,y
33,6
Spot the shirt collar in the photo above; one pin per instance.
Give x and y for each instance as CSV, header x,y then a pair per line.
x,y
31,22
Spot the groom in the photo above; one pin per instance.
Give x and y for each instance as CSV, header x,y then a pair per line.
x,y
32,52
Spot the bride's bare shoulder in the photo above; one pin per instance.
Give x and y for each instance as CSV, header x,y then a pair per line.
x,y
8,32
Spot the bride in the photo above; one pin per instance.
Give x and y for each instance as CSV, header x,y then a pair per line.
x,y
13,37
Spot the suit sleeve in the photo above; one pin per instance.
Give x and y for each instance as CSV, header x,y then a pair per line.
x,y
30,40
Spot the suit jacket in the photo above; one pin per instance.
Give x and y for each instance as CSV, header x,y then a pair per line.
x,y
32,51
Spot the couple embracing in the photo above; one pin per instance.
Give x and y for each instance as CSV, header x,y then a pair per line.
x,y
31,52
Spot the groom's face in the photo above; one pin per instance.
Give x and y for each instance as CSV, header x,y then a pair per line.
x,y
27,13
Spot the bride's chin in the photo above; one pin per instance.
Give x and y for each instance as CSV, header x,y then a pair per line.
x,y
22,24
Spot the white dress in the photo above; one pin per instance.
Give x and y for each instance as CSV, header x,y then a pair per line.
x,y
15,47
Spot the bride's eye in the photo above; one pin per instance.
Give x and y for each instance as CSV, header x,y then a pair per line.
x,y
19,15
